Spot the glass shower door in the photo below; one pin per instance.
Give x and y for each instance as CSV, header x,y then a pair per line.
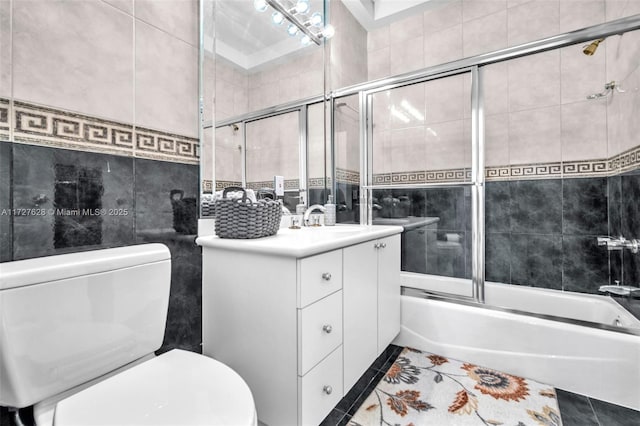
x,y
420,178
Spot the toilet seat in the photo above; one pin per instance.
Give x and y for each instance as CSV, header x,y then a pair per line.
x,y
175,388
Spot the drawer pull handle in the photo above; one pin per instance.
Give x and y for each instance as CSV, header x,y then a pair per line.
x,y
326,276
376,245
327,328
383,245
327,389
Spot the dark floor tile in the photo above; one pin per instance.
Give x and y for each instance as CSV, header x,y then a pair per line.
x,y
365,393
356,390
575,409
334,418
536,260
536,206
585,265
615,415
584,206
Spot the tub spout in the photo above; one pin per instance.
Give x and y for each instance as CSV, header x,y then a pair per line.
x,y
620,290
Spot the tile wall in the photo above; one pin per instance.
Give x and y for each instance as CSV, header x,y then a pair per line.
x,y
98,110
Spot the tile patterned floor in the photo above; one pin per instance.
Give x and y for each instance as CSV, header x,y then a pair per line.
x,y
576,410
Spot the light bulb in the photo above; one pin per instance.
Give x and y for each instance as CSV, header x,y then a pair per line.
x,y
302,6
292,30
277,18
328,31
316,19
305,40
260,5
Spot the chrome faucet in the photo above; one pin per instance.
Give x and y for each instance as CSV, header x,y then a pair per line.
x,y
619,244
307,213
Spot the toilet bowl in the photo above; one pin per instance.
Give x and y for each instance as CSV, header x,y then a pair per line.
x,y
77,337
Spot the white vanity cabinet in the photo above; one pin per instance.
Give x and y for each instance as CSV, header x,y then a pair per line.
x,y
298,328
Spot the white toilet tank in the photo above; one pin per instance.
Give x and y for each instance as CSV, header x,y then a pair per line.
x,y
67,319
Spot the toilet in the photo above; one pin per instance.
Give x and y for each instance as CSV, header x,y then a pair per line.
x,y
77,339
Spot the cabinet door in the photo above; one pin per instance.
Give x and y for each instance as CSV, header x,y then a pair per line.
x,y
360,305
388,290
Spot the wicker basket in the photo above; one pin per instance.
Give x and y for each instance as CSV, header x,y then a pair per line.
x,y
240,218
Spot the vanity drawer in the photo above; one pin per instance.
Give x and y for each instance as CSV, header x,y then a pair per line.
x,y
320,389
319,331
319,276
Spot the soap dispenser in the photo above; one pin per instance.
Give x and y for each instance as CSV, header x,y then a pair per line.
x,y
330,212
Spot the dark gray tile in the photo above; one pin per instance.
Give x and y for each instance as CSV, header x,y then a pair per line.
x,y
615,267
346,403
585,265
497,207
631,268
584,206
449,205
365,393
98,187
536,260
155,210
614,187
615,415
575,409
498,257
451,253
630,206
536,206
6,218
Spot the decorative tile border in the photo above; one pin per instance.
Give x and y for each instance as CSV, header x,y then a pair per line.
x,y
222,184
38,125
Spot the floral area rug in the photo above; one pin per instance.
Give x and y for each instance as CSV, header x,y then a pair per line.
x,y
422,388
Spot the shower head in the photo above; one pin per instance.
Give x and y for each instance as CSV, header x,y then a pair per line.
x,y
590,49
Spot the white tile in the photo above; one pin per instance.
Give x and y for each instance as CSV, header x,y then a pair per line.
x,y
382,162
407,56
577,14
446,145
534,20
406,29
497,140
124,5
54,66
448,15
535,136
476,39
207,154
621,8
473,9
378,38
622,53
209,87
445,99
496,85
311,83
534,81
443,46
584,131
177,17
5,49
408,149
166,82
379,63
580,74
381,110
407,106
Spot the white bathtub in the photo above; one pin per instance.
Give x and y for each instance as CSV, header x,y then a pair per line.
x,y
588,360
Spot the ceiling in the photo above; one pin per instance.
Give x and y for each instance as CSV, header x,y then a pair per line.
x,y
250,40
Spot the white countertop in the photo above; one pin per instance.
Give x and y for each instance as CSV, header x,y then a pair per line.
x,y
303,242
408,223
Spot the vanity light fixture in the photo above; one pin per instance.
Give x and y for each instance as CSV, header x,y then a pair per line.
x,y
298,13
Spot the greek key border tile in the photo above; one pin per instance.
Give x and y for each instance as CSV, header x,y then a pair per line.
x,y
222,184
289,184
207,186
39,125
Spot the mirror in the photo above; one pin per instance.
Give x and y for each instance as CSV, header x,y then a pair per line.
x,y
255,80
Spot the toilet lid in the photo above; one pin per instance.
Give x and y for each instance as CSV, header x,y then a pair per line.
x,y
175,388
